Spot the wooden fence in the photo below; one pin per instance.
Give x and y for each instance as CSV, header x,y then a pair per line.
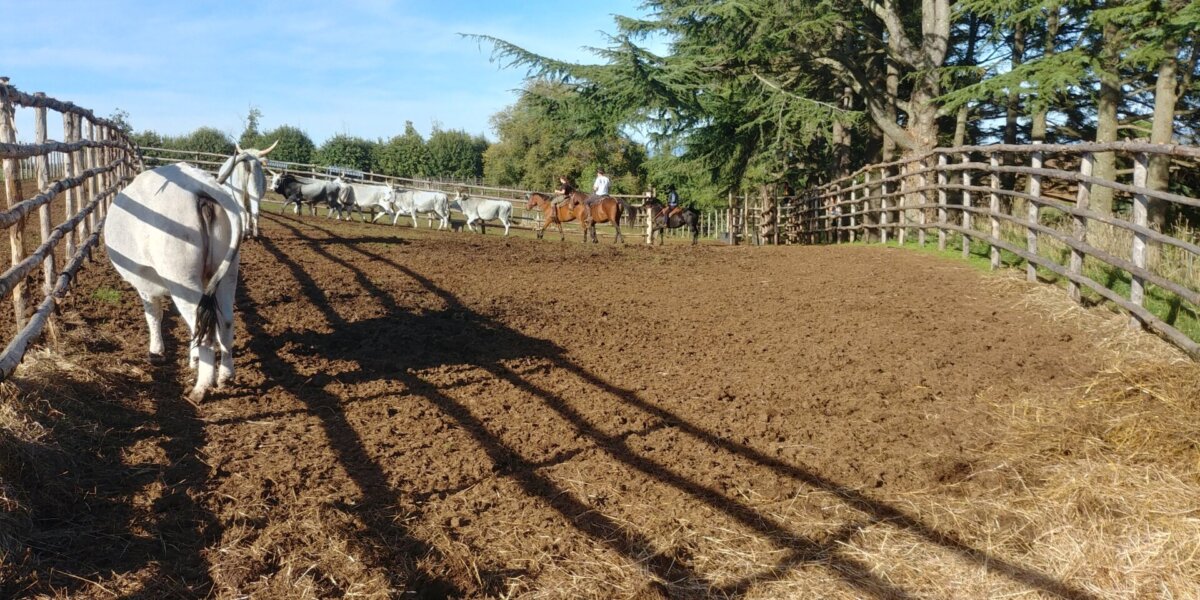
x,y
1034,203
75,180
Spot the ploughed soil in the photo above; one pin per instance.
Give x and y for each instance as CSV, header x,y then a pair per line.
x,y
438,414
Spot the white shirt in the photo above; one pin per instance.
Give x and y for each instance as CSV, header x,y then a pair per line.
x,y
600,186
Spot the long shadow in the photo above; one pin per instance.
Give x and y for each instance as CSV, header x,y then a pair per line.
x,y
186,529
399,548
88,531
492,342
478,340
878,511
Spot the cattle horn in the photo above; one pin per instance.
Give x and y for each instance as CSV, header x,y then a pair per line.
x,y
262,153
225,172
238,147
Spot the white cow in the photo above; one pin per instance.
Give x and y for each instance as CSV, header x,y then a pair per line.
x,y
412,202
482,210
175,232
248,185
363,197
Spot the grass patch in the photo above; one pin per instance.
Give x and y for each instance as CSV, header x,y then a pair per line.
x,y
107,295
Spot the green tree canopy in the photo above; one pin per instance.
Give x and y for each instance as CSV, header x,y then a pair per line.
x,y
294,144
541,138
346,151
204,139
455,154
251,137
404,155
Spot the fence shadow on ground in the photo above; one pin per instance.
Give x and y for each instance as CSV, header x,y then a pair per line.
x,y
90,529
491,344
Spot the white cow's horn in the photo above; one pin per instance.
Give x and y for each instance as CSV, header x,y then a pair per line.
x,y
262,153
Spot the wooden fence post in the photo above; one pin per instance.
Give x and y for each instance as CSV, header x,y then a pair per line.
x,y
111,178
923,181
13,192
649,224
865,209
901,212
833,214
994,208
49,274
778,222
1141,205
70,169
1082,200
883,205
966,212
1034,211
732,224
943,180
852,222
89,161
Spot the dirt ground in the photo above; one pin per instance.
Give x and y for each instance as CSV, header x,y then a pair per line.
x,y
422,414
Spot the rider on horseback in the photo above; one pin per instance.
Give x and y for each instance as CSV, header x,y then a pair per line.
x,y
565,187
672,205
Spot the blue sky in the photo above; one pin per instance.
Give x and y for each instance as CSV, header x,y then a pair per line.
x,y
362,67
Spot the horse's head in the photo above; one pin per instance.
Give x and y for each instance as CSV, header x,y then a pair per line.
x,y
537,200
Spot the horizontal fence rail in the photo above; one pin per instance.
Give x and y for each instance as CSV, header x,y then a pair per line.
x,y
1036,204
68,184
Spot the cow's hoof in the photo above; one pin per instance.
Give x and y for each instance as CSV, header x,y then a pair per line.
x,y
196,396
156,359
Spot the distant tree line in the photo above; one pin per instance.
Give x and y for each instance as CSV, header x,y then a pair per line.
x,y
450,154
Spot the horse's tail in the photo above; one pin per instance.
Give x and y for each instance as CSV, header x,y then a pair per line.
x,y
625,210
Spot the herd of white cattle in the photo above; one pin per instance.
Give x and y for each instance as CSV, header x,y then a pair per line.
x,y
175,233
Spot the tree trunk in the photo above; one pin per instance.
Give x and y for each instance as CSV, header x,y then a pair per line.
x,y
893,91
924,57
1106,119
1162,130
1013,105
1011,112
964,111
1037,127
847,137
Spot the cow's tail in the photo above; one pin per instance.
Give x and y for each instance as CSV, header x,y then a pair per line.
x,y
207,315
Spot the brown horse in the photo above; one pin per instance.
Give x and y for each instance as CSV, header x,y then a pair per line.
x,y
605,209
550,214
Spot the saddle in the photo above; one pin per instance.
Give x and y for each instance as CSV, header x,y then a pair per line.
x,y
593,199
669,211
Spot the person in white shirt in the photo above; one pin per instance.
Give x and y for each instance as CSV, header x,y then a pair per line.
x,y
600,186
